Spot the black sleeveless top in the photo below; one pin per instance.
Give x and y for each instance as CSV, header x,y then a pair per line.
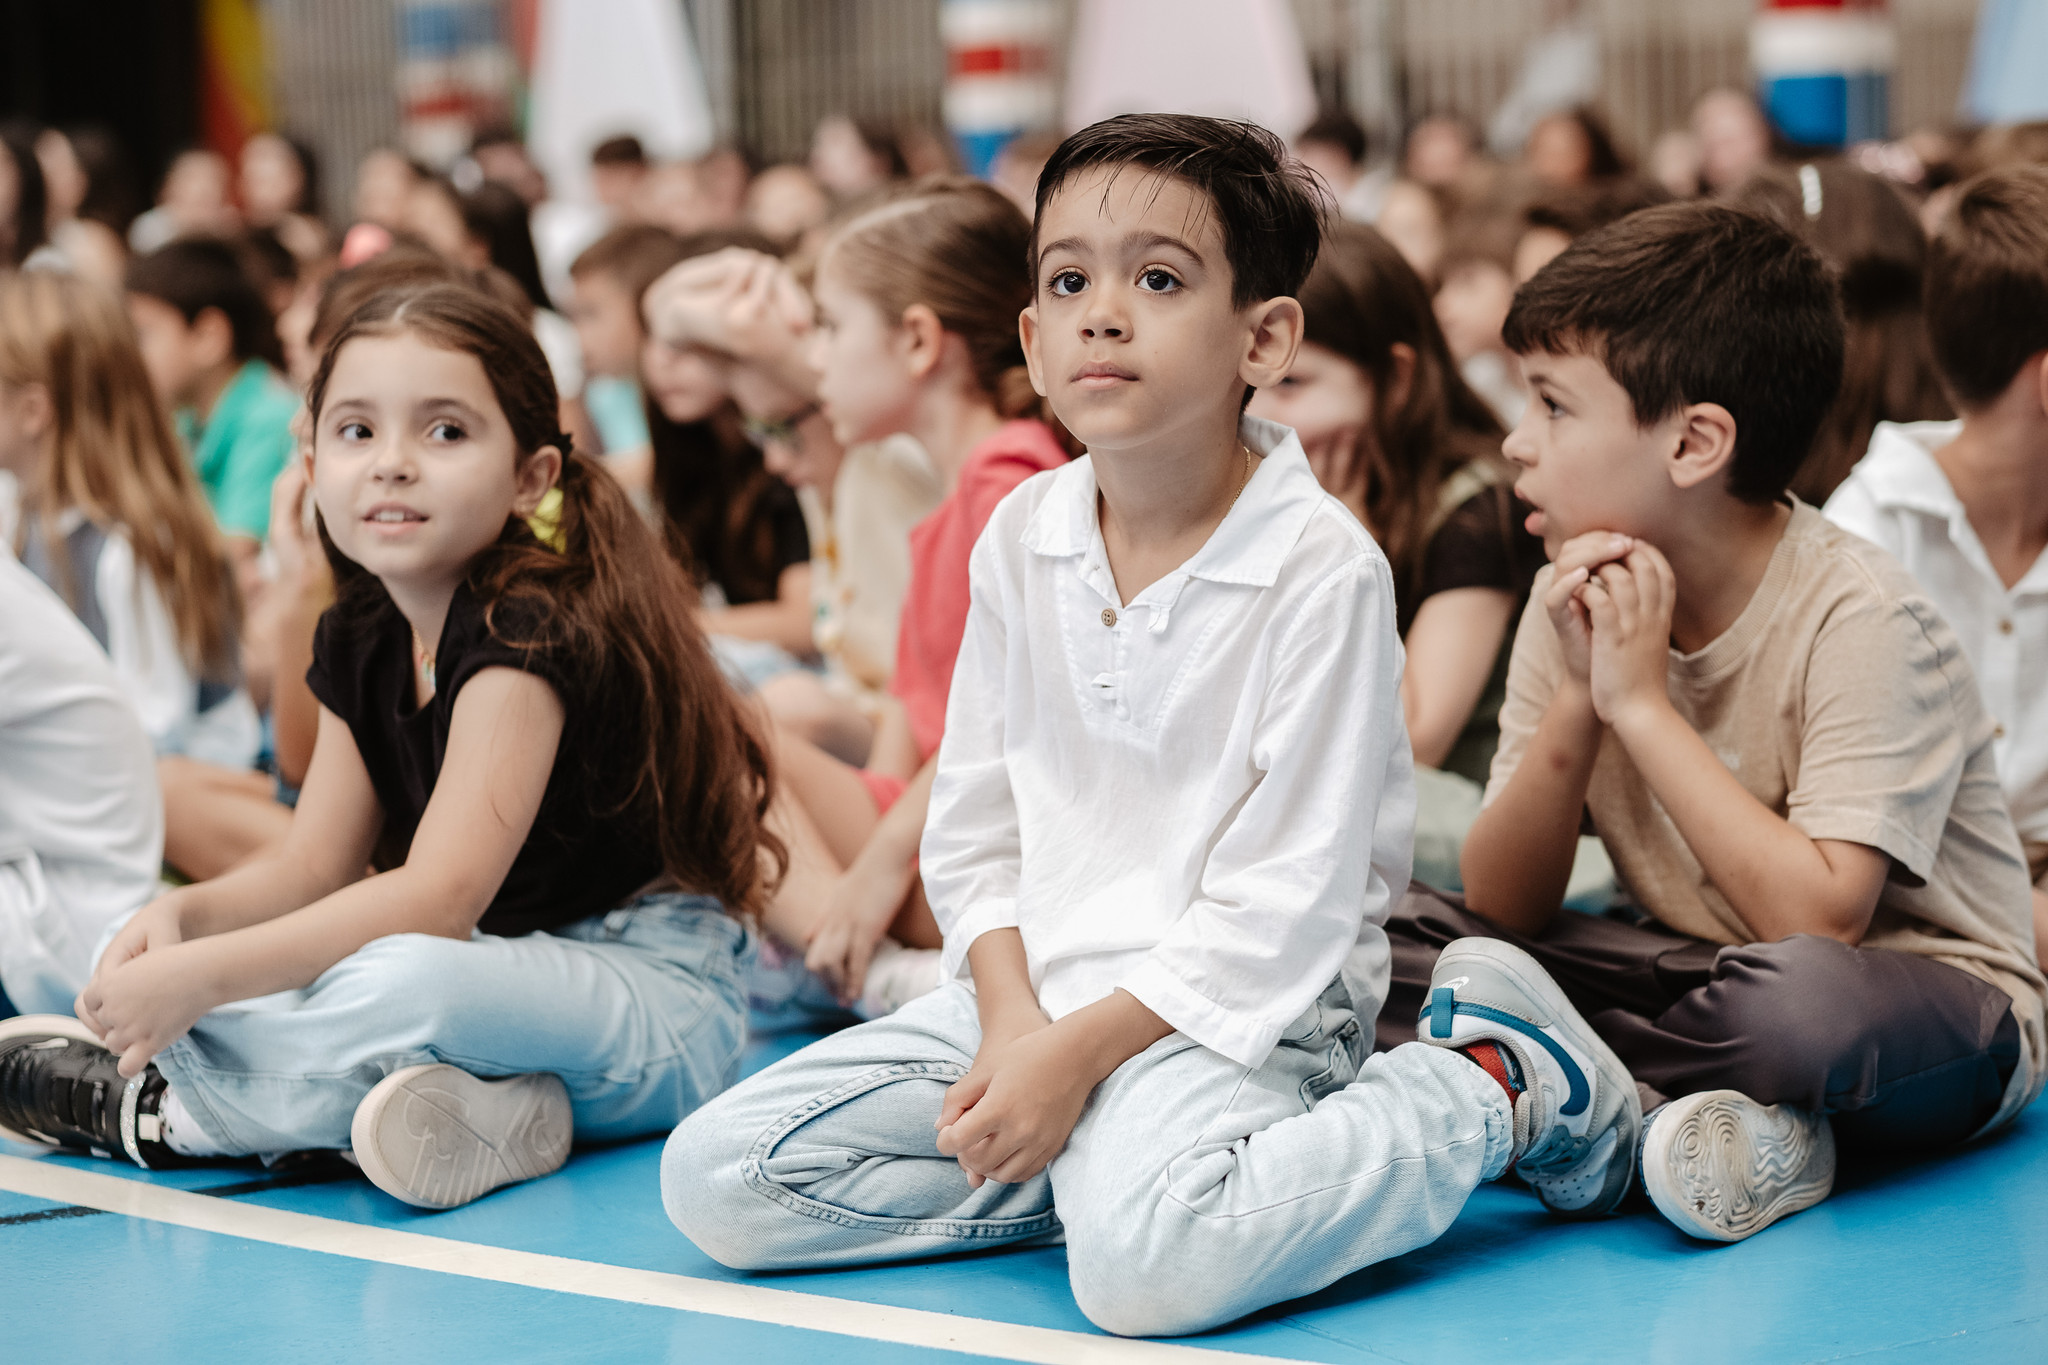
x,y
583,856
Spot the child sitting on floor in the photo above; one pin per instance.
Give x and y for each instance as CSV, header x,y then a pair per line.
x,y
1964,505
112,518
213,354
1770,726
1172,803
532,737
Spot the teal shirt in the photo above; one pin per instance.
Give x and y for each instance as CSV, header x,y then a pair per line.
x,y
244,445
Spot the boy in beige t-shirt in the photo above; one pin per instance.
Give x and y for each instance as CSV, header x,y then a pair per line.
x,y
1767,722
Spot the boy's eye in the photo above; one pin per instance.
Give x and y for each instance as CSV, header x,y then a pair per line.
x,y
1157,281
1550,404
1067,283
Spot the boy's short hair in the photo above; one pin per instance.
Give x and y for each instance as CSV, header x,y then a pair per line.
x,y
624,150
1269,206
1699,303
635,255
1987,283
193,274
1339,129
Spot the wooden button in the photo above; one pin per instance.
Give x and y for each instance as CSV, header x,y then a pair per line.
x,y
2005,627
1998,732
1108,616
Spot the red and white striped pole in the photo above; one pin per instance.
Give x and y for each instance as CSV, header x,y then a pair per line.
x,y
1823,68
998,73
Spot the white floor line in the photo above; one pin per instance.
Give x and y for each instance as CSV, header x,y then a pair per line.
x,y
752,1302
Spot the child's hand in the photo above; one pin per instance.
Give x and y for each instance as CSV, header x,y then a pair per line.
x,y
156,925
146,1004
1629,605
1576,561
1008,1117
856,917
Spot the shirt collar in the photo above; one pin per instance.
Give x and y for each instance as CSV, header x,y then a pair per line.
x,y
1901,472
1250,544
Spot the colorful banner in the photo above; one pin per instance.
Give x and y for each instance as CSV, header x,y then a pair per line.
x,y
1823,68
235,78
998,73
455,74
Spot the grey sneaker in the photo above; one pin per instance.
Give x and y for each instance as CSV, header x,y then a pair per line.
x,y
1578,1117
437,1137
1721,1166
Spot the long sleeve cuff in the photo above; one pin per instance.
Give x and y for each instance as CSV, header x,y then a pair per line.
x,y
978,919
1244,1039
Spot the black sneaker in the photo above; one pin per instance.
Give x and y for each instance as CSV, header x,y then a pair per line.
x,y
60,1088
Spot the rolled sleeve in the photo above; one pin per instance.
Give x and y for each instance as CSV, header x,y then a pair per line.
x,y
1292,878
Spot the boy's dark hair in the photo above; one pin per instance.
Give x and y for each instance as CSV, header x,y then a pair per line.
x,y
634,254
1270,208
193,274
1336,127
624,150
1699,303
1987,283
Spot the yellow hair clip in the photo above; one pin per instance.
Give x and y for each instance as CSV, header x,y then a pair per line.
x,y
546,521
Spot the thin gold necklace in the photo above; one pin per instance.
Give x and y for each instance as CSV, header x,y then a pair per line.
x,y
1242,484
422,658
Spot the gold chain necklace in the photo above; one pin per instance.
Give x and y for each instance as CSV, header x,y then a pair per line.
x,y
1243,483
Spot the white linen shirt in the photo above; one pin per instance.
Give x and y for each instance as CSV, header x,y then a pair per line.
x,y
1204,796
1899,497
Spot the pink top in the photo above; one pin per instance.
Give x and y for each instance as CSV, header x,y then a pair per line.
x,y
935,603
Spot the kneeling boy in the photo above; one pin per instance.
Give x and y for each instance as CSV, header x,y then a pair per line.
x,y
1769,724
1173,805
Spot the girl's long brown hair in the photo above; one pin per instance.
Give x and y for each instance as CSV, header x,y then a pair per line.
x,y
1360,300
615,613
113,457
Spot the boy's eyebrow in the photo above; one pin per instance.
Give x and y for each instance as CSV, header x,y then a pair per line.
x,y
1142,240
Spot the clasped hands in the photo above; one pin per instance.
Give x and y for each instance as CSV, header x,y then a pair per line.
x,y
1610,600
148,989
1013,1111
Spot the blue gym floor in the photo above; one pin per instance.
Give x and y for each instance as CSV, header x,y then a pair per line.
x,y
1942,1260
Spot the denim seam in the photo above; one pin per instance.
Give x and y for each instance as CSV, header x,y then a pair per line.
x,y
960,1229
1454,1144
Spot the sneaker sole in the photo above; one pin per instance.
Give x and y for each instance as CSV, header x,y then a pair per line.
x,y
62,1025
1722,1167
1533,983
437,1137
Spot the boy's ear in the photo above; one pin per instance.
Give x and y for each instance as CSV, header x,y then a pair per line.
x,y
1706,444
213,338
1275,337
1027,335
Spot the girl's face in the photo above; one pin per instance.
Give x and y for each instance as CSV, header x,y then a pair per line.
x,y
688,383
413,463
864,378
1328,399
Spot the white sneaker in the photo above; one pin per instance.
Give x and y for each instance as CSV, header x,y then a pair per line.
x,y
437,1137
1721,1166
896,976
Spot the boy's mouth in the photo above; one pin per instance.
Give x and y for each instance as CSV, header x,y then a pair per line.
x,y
1100,374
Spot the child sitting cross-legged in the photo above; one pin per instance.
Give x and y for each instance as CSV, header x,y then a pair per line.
x,y
1772,729
531,738
1172,804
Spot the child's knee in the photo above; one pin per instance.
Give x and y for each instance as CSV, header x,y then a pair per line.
x,y
705,1190
1137,1282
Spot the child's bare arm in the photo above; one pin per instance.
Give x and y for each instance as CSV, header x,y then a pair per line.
x,y
501,750
1776,878
1517,859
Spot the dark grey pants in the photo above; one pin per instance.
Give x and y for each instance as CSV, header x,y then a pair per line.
x,y
1904,1052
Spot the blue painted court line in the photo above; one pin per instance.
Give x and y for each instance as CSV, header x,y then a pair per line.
x,y
1936,1260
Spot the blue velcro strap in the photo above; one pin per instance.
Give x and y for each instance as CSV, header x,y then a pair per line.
x,y
1444,1003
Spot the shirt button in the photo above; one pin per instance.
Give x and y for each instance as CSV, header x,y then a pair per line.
x,y
1998,732
1108,616
2005,627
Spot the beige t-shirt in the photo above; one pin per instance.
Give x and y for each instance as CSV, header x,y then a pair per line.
x,y
1842,701
860,557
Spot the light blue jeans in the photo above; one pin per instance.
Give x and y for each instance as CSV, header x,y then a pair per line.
x,y
1193,1190
641,1012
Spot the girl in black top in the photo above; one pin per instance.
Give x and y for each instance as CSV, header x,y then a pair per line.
x,y
521,722
1394,432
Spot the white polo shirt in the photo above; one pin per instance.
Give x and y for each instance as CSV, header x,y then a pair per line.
x,y
1899,497
1204,796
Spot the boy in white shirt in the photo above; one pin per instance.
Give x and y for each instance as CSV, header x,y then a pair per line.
x,y
1173,804
1964,505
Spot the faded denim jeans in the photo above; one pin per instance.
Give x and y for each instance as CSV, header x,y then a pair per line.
x,y
640,1011
1193,1190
